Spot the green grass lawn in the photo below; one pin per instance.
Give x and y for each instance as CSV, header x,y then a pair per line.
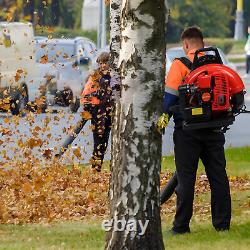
x,y
204,237
67,235
238,162
89,235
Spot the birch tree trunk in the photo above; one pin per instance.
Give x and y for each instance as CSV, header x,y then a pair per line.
x,y
115,36
136,150
115,46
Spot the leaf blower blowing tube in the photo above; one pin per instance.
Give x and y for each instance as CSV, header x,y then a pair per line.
x,y
169,189
79,126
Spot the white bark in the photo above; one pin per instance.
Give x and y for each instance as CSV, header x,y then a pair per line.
x,y
115,36
115,46
136,150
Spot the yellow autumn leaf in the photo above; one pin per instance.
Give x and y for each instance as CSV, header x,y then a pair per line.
x,y
232,178
27,188
86,115
38,184
9,16
40,101
20,143
6,120
37,128
77,152
50,29
92,127
90,197
5,106
66,56
32,143
27,18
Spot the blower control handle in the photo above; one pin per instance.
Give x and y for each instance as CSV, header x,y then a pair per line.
x,y
208,49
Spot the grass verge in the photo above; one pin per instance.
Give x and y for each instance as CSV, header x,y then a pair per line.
x,y
88,235
238,162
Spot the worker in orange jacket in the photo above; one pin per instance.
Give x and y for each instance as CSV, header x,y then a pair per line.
x,y
192,145
97,100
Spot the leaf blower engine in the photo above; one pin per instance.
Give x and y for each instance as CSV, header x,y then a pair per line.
x,y
211,94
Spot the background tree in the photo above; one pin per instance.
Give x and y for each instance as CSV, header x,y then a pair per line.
x,y
77,13
247,12
212,16
135,181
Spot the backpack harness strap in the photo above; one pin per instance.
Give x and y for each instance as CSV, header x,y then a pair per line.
x,y
186,62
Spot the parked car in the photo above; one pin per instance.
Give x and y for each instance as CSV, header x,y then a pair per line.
x,y
64,66
17,66
177,52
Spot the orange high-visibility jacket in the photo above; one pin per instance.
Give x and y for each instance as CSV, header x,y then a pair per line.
x,y
177,74
90,88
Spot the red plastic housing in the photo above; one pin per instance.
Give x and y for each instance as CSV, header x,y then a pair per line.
x,y
222,80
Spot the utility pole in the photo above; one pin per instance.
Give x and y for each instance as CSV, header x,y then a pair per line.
x,y
104,36
101,32
239,33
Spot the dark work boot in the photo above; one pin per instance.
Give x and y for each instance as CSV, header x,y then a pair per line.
x,y
174,232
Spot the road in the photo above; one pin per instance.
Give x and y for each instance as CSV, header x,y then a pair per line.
x,y
50,130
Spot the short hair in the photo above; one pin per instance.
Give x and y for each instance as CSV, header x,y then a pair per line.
x,y
192,33
103,57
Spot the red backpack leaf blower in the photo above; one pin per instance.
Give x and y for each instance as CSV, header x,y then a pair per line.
x,y
206,94
209,97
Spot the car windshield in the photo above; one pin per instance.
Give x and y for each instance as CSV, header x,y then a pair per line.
x,y
175,53
54,53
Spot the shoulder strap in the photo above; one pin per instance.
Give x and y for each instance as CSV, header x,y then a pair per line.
x,y
186,62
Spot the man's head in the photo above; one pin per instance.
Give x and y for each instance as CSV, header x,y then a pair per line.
x,y
103,61
192,38
248,30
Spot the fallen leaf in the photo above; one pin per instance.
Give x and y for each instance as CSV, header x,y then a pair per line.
x,y
47,153
44,59
77,152
27,188
32,143
86,115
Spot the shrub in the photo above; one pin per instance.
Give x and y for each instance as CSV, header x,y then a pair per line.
x,y
225,44
58,32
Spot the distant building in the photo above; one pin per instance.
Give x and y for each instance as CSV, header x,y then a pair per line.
x,y
90,14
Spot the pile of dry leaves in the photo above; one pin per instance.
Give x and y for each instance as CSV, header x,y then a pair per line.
x,y
31,193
